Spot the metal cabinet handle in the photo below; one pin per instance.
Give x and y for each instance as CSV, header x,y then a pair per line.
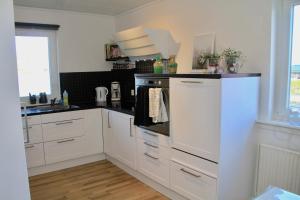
x,y
63,123
26,125
130,127
154,135
150,156
190,173
195,82
108,119
64,141
29,146
150,145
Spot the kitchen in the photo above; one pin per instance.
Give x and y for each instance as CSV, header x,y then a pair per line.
x,y
217,136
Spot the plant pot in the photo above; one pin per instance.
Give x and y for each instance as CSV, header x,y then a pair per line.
x,y
232,64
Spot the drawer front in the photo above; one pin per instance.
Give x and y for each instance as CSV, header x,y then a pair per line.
x,y
61,150
35,155
153,149
191,183
64,116
32,120
208,167
153,137
35,134
63,129
154,166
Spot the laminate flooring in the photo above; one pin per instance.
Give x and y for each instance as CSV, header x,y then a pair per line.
x,y
95,181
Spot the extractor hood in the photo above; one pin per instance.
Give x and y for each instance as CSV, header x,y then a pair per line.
x,y
141,41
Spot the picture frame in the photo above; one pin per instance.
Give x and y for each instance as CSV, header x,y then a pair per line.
x,y
203,44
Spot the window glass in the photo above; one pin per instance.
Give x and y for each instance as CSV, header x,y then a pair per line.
x,y
294,97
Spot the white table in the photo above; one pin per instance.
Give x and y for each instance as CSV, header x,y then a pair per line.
x,y
274,193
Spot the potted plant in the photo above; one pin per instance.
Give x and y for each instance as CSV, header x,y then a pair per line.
x,y
232,59
213,62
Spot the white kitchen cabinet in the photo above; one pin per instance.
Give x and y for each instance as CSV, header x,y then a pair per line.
x,y
35,134
153,160
195,116
214,149
108,138
62,125
66,149
119,137
93,131
35,155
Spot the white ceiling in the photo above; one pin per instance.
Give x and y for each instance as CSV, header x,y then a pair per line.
x,y
105,7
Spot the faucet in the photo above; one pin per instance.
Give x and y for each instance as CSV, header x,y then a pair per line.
x,y
52,101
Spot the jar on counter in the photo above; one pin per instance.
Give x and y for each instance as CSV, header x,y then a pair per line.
x,y
158,65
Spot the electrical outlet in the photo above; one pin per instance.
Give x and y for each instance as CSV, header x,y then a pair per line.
x,y
132,92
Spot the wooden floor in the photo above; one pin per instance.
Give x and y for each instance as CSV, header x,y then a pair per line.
x,y
99,180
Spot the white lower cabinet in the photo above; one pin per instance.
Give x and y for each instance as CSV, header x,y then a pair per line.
x,y
63,136
119,137
35,155
153,161
191,183
61,150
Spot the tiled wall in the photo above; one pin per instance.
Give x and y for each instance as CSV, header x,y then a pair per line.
x,y
81,85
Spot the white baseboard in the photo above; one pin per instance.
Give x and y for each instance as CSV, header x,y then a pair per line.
x,y
65,164
153,184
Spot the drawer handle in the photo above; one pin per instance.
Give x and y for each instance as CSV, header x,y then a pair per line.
x,y
150,145
64,141
190,173
29,146
151,134
194,82
148,155
63,123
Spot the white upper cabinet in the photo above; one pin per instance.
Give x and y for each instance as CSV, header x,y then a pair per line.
x,y
195,116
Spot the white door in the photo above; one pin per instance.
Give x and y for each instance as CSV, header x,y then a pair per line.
x,y
125,144
108,138
195,117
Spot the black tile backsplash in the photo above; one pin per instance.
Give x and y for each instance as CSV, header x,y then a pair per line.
x,y
81,85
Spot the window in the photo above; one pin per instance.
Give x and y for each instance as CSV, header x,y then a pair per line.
x,y
36,61
286,104
294,94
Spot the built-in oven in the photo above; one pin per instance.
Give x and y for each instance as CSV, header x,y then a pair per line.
x,y
142,119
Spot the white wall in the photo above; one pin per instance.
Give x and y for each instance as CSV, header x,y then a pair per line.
x,y
81,37
244,25
13,170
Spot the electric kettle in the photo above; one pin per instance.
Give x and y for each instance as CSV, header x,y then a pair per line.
x,y
101,93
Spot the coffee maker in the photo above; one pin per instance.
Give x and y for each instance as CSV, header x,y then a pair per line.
x,y
115,93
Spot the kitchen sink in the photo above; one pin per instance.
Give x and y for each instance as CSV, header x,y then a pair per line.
x,y
49,108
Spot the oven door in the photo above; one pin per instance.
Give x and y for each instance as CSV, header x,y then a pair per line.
x,y
142,118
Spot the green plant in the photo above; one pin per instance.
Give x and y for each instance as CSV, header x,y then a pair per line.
x,y
231,53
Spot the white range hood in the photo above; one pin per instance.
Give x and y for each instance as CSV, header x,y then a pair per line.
x,y
141,41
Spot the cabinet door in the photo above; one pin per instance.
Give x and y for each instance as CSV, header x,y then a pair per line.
x,y
108,137
195,116
93,131
35,134
35,155
125,146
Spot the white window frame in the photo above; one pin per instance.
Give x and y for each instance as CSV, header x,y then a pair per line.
x,y
53,64
284,28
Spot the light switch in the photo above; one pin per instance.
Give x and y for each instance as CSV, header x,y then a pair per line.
x,y
132,92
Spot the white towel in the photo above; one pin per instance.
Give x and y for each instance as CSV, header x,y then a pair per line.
x,y
157,108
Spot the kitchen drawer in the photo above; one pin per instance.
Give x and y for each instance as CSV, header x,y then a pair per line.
x,y
153,137
153,149
35,155
32,120
61,150
35,134
191,183
194,162
154,166
63,129
63,116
